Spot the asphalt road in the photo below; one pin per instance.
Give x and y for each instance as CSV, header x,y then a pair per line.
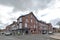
x,y
8,38
27,37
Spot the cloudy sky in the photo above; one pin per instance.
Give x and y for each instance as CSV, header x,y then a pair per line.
x,y
45,10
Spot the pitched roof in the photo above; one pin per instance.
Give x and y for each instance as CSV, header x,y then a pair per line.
x,y
34,16
26,15
9,26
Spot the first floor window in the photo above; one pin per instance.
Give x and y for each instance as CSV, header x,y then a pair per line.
x,y
26,20
25,24
31,20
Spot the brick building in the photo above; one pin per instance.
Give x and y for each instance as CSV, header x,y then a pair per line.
x,y
50,28
12,28
29,24
43,27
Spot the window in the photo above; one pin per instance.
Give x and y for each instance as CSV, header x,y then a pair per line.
x,y
25,24
14,27
44,27
34,26
20,19
26,20
17,26
20,25
31,20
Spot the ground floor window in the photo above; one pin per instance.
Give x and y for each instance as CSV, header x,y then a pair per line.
x,y
20,25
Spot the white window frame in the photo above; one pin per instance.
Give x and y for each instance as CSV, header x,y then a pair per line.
x,y
34,26
31,20
44,27
25,24
20,20
13,27
20,25
27,20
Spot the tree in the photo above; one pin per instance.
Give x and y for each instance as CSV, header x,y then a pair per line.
x,y
58,23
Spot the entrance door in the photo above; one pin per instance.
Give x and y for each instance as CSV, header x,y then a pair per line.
x,y
26,32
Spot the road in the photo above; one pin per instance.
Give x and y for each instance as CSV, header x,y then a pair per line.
x,y
55,36
27,37
8,38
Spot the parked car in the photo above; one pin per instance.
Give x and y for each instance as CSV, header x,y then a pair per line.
x,y
8,33
44,32
50,32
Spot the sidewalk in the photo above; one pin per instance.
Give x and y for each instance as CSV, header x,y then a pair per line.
x,y
55,36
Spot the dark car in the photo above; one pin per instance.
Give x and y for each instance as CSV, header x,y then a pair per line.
x,y
44,32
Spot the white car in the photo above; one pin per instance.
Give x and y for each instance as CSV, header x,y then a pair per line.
x,y
50,32
8,33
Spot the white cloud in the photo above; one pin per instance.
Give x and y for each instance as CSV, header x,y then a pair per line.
x,y
4,16
8,16
52,12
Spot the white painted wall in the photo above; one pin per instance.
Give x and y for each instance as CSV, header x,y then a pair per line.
x,y
20,25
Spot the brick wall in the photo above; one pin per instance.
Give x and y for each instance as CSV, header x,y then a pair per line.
x,y
30,22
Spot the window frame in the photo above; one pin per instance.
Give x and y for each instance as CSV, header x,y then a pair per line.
x,y
26,25
20,20
20,25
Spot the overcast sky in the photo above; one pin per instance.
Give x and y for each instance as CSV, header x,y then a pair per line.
x,y
45,10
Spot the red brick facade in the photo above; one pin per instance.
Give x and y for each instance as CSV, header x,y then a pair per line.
x,y
31,23
28,21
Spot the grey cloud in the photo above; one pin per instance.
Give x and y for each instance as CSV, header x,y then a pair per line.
x,y
26,4
23,5
55,21
44,15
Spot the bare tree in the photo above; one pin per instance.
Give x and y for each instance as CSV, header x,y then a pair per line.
x,y
58,23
